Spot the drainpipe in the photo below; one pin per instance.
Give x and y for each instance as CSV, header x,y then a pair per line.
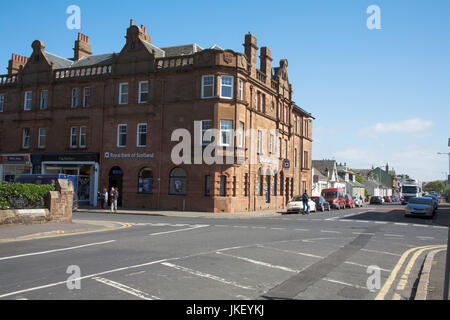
x,y
163,88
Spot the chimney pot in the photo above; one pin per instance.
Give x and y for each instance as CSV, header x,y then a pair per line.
x,y
131,22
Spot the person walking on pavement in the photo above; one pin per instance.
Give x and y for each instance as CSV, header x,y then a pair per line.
x,y
114,196
104,198
305,199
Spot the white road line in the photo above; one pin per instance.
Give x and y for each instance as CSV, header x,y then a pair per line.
x,y
220,225
261,263
302,230
426,238
344,283
367,233
241,227
259,227
393,235
329,231
382,252
180,230
420,225
400,224
55,250
207,275
278,228
124,288
381,222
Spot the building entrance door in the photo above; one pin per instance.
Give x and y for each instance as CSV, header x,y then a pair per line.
x,y
115,181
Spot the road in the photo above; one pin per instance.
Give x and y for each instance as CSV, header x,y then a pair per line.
x,y
368,253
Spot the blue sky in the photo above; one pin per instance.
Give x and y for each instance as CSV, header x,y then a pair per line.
x,y
378,96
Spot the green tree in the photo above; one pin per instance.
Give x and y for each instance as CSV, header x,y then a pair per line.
x,y
436,186
358,177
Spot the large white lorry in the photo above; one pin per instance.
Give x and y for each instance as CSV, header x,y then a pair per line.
x,y
410,188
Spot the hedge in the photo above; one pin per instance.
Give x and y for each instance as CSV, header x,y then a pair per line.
x,y
23,196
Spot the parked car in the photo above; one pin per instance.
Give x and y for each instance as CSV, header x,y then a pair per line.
x,y
296,205
321,204
358,202
435,200
376,200
349,203
335,197
420,206
388,199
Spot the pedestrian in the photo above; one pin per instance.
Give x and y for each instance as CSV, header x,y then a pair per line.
x,y
114,195
104,198
305,199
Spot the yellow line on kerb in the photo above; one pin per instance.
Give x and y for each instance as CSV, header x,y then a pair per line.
x,y
388,284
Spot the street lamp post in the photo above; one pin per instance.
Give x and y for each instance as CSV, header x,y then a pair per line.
x,y
447,266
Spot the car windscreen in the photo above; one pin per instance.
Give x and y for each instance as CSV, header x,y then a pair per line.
x,y
328,195
420,200
410,189
296,199
315,199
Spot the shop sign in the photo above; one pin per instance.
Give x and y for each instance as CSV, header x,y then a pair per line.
x,y
16,159
286,164
132,155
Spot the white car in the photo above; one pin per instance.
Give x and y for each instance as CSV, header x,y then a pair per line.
x,y
420,207
296,205
358,202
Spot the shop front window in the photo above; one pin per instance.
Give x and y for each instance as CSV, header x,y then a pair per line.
x,y
145,181
178,180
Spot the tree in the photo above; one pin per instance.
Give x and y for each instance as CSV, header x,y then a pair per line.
x,y
358,177
436,186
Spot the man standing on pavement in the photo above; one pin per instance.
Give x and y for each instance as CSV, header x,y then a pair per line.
x,y
114,196
305,199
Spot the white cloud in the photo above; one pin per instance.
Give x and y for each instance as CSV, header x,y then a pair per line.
x,y
415,125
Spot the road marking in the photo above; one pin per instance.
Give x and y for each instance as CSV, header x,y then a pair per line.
x,y
422,288
302,230
206,275
344,283
55,250
241,227
220,225
404,278
393,235
180,230
420,225
259,227
329,231
124,288
382,252
425,238
387,285
278,228
366,233
261,263
400,224
381,222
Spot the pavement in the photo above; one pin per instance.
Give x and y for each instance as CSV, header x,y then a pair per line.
x,y
15,233
432,275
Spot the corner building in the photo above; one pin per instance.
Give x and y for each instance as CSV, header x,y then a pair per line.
x,y
109,120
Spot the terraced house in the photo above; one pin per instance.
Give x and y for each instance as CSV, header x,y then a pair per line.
x,y
108,119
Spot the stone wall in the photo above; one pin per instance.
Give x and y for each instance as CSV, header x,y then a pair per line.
x,y
59,208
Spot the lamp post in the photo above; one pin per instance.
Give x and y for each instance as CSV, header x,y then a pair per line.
x,y
447,266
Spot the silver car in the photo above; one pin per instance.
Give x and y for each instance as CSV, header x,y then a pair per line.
x,y
435,200
358,202
420,207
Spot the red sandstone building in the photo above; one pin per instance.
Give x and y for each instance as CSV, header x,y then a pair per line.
x,y
108,119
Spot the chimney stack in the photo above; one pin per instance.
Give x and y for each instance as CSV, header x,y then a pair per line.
x,y
82,47
251,48
15,63
266,63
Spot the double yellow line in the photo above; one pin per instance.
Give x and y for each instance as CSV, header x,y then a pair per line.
x,y
416,252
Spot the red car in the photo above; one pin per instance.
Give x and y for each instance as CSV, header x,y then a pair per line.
x,y
349,203
335,197
388,199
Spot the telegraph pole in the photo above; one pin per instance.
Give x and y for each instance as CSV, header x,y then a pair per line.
x,y
447,266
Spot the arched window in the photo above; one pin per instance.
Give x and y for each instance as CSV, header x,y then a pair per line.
x,y
178,180
145,181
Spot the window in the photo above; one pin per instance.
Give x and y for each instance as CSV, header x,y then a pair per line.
x,y
28,100
272,140
263,102
122,135
75,97
275,178
226,88
295,157
241,135
143,92
178,179
259,146
246,185
306,129
73,137
258,101
83,137
222,187
145,181
26,138
86,97
295,124
42,138
260,183
2,102
226,132
44,100
305,160
207,87
285,149
142,135
279,147
207,186
123,93
285,115
206,125
240,89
